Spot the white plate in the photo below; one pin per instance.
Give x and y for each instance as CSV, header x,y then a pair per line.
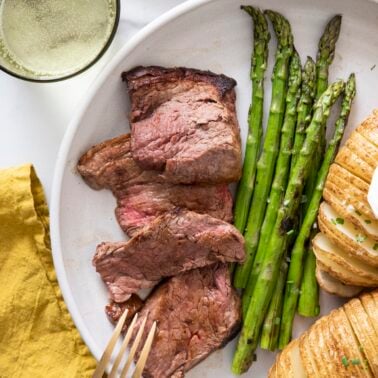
x,y
203,34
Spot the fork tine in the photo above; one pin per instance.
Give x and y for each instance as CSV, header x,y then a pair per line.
x,y
100,369
145,352
134,348
124,345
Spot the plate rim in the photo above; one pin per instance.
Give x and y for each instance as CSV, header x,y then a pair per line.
x,y
65,146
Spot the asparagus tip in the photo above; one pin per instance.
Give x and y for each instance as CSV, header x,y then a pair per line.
x,y
281,27
352,77
250,9
327,43
261,32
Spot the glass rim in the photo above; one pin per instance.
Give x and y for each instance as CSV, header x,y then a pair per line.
x,y
81,70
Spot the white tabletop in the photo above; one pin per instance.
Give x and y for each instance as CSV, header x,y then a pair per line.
x,y
34,116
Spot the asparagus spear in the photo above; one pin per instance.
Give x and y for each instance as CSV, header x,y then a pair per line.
x,y
272,322
326,52
304,108
308,303
259,59
281,172
295,270
267,160
267,278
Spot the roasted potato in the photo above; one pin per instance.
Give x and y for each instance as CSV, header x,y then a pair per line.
x,y
333,286
348,252
348,188
355,164
364,332
341,344
347,236
363,148
369,128
345,267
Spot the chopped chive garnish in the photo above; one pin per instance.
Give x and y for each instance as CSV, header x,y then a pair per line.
x,y
355,361
344,361
358,213
333,221
360,238
375,247
368,221
339,220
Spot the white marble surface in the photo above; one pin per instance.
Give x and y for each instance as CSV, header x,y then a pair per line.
x,y
35,116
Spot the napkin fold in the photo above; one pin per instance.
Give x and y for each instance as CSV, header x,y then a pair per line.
x,y
37,335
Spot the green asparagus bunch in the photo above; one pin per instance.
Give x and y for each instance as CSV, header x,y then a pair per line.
x,y
259,59
267,278
267,160
295,270
281,172
309,297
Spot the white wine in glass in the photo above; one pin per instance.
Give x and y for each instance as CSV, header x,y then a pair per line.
x,y
49,40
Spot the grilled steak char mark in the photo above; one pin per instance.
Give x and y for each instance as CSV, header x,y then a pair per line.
x,y
197,312
144,195
184,124
171,244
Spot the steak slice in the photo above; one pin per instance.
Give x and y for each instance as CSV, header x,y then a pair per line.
x,y
115,310
183,123
173,243
144,195
139,205
110,165
197,312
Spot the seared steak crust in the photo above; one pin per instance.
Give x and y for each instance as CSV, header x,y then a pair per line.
x,y
141,78
171,244
144,195
197,312
184,124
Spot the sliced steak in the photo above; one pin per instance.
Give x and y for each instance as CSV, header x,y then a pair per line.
x,y
115,310
110,165
197,312
144,195
184,124
139,205
173,243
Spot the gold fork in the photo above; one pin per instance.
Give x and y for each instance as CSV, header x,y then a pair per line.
x,y
104,361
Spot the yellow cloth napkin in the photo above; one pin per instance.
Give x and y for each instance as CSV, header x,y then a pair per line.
x,y
37,335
